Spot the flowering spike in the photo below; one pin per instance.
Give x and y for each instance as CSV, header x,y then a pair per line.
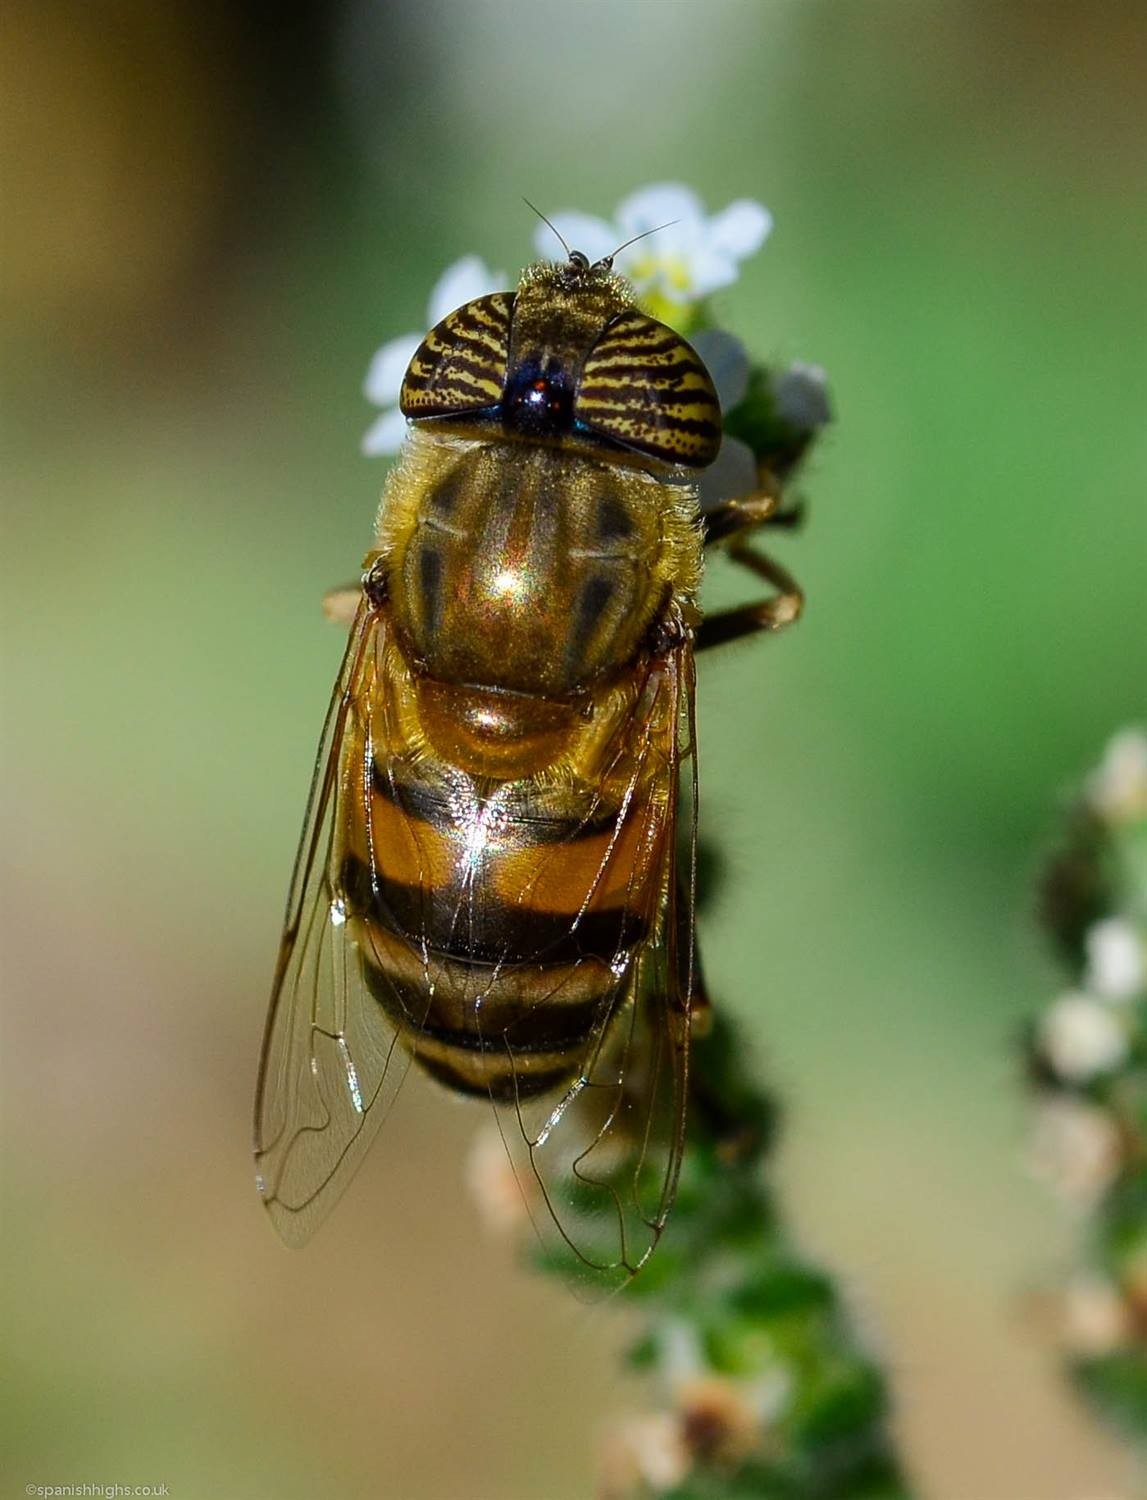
x,y
1088,1055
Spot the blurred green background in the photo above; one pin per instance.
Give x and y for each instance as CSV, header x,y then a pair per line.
x,y
214,214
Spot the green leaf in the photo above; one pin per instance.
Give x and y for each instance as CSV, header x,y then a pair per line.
x,y
1117,1385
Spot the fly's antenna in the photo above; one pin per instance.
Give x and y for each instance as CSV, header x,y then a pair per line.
x,y
607,260
554,227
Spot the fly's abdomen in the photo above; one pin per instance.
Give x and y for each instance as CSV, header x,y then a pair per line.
x,y
500,1028
498,934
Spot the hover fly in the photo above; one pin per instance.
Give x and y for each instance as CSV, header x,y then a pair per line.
x,y
494,880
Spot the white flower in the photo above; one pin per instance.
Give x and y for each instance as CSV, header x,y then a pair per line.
x,y
493,1183
1116,963
1075,1149
466,279
647,1451
734,471
800,399
801,394
679,1350
724,1419
727,361
691,254
1117,790
1096,1318
1081,1038
731,475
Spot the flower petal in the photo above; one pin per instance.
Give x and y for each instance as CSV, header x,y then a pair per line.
x,y
592,236
466,279
725,358
1081,1038
386,435
384,378
709,270
801,395
662,203
1116,959
1075,1147
741,229
732,475
1118,788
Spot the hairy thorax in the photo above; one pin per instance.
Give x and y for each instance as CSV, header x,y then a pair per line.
x,y
524,580
530,569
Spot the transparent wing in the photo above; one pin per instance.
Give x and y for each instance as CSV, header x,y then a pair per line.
x,y
331,1062
598,1164
598,1154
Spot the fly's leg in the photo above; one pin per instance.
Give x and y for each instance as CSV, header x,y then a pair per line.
x,y
733,517
732,524
341,604
778,610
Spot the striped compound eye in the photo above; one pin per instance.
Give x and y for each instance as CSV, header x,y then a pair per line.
x,y
643,386
460,366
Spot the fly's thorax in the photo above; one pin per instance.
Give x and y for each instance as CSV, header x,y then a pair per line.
x,y
528,568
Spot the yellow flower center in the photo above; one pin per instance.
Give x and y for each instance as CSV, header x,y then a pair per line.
x,y
650,274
